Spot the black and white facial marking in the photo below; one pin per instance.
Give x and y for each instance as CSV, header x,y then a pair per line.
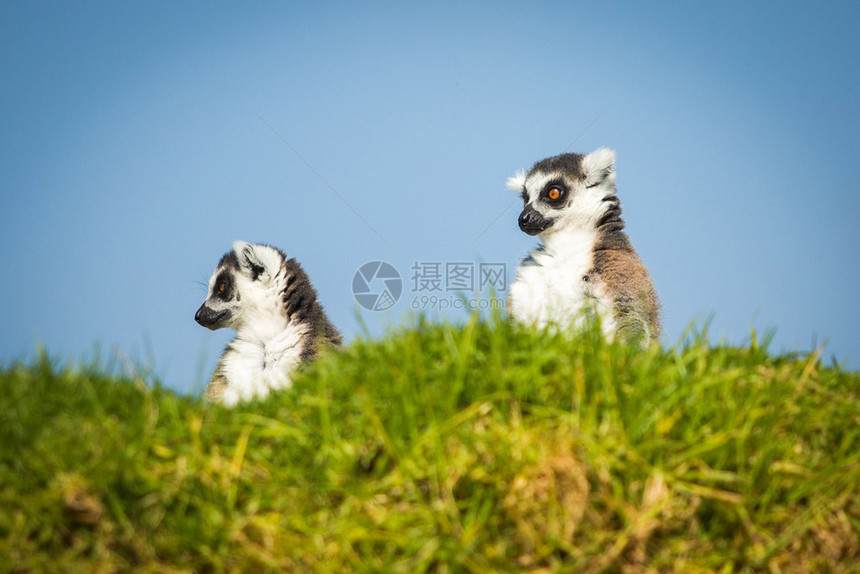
x,y
565,189
217,311
244,270
553,195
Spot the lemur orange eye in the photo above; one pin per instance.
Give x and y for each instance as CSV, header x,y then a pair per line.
x,y
553,193
221,287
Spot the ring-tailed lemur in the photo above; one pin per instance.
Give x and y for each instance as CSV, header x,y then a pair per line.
x,y
586,262
271,303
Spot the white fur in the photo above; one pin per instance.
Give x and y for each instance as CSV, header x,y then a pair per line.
x,y
597,163
551,291
268,258
257,362
516,182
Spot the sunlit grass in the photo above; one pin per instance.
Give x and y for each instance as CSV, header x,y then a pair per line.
x,y
471,448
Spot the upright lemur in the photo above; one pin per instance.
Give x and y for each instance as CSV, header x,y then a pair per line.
x,y
271,303
585,262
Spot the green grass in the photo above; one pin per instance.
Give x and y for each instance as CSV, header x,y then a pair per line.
x,y
439,448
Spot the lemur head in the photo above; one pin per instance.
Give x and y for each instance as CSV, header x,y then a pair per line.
x,y
568,190
242,285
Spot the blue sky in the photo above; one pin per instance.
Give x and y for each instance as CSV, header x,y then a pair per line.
x,y
140,139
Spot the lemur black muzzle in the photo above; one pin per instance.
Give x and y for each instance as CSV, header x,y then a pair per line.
x,y
209,318
532,222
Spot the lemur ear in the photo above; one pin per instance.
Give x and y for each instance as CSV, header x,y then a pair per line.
x,y
256,261
598,165
517,182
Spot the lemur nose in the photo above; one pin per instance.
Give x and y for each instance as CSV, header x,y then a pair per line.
x,y
532,222
529,215
525,216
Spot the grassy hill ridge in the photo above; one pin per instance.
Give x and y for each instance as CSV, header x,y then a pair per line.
x,y
439,448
